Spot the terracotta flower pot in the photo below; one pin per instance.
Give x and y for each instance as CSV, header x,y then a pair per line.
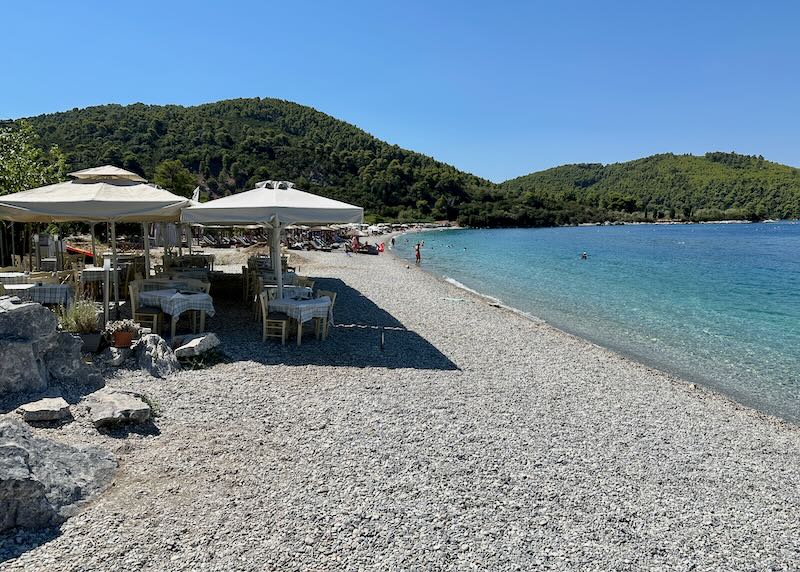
x,y
123,339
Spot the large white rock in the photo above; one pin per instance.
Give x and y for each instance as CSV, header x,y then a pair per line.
x,y
42,483
111,406
196,345
47,409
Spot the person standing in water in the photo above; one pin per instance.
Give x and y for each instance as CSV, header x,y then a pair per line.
x,y
417,254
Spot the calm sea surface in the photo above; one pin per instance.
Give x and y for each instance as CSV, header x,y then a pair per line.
x,y
715,303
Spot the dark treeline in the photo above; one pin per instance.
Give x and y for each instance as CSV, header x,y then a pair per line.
x,y
230,145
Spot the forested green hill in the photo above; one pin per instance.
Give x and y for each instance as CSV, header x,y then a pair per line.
x,y
711,187
229,145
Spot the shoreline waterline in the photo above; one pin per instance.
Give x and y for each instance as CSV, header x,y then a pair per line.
x,y
708,382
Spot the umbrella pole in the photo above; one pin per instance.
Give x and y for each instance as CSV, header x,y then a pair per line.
x,y
146,238
13,247
114,272
94,247
188,228
30,249
277,268
2,245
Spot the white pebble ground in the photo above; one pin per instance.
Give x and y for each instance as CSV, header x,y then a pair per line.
x,y
475,440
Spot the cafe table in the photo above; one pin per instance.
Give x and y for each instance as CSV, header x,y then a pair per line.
x,y
303,310
175,302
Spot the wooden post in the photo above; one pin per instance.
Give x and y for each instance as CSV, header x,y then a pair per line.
x,y
114,272
146,238
94,247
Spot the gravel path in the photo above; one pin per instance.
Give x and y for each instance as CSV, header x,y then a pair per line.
x,y
476,439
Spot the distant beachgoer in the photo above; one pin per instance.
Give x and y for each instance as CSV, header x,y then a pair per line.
x,y
417,254
584,256
392,242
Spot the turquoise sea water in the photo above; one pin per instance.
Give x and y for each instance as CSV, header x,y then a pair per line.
x,y
718,303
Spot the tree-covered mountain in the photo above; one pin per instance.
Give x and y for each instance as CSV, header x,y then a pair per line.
x,y
711,187
230,145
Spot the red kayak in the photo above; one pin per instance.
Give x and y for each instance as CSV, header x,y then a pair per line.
x,y
75,250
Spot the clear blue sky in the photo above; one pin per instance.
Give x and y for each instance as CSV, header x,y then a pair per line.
x,y
499,89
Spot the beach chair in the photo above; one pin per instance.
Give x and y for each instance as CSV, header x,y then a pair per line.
x,y
274,325
321,324
145,315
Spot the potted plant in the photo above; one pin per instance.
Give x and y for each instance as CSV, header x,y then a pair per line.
x,y
81,319
120,333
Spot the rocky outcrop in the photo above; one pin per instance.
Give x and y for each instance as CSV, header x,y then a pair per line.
x,y
111,407
34,353
42,483
155,356
47,409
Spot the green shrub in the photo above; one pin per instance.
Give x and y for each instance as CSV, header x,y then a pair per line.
x,y
80,318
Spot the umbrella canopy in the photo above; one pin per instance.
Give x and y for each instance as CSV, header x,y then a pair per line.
x,y
273,201
273,204
100,194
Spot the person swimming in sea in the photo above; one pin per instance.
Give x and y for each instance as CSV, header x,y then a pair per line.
x,y
584,256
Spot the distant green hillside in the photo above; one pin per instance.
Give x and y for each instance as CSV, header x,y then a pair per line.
x,y
714,186
229,145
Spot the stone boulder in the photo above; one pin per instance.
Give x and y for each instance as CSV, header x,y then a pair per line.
x,y
42,483
155,356
196,345
115,357
112,406
47,409
34,353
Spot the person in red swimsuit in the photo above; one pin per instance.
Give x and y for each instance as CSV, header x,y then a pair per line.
x,y
416,252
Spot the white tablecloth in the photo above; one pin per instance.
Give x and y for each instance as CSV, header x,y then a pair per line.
x,y
303,310
95,274
13,278
295,292
174,303
44,294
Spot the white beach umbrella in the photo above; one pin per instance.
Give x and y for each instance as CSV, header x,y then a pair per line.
x,y
274,205
100,194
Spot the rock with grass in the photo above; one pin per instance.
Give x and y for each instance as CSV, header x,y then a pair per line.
x,y
44,410
34,353
42,483
108,407
155,356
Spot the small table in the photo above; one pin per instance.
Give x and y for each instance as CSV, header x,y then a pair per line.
x,y
42,293
13,278
49,264
97,274
294,292
303,310
174,303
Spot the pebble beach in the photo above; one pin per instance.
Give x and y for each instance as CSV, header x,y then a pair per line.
x,y
430,431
